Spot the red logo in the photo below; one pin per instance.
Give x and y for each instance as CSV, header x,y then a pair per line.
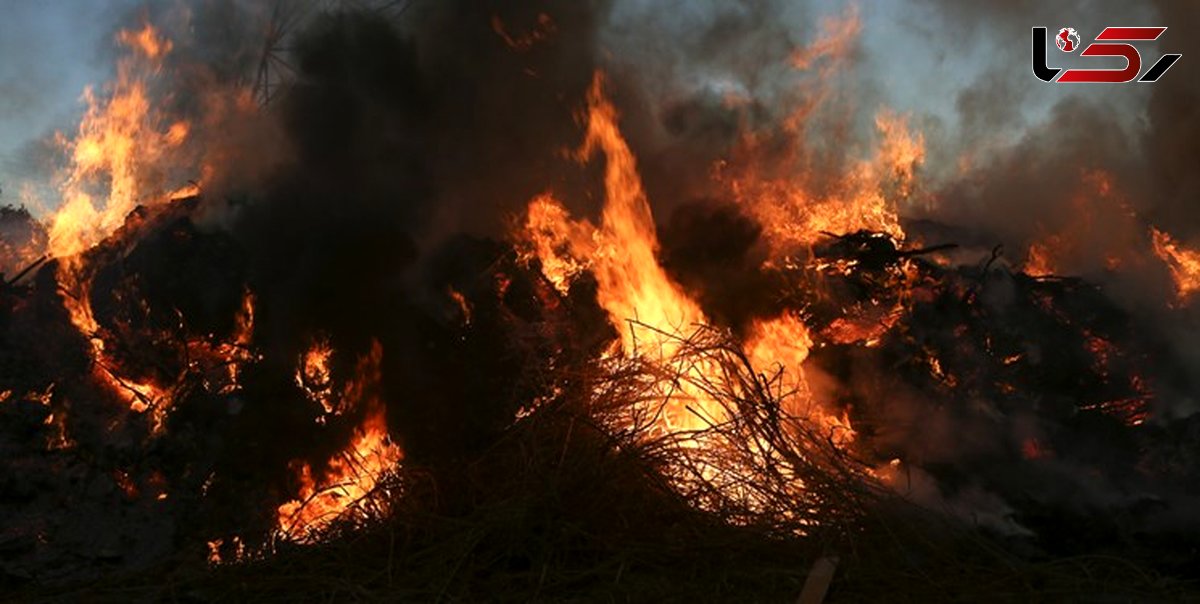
x,y
1067,39
1110,43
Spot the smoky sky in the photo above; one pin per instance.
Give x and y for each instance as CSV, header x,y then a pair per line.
x,y
959,72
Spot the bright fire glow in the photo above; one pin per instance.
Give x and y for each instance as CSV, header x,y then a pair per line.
x,y
653,314
117,141
1038,262
354,473
796,210
794,189
1183,262
314,375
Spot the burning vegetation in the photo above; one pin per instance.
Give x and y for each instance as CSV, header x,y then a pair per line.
x,y
421,327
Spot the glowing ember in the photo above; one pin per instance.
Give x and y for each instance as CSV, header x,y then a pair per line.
x,y
220,551
864,328
464,307
238,351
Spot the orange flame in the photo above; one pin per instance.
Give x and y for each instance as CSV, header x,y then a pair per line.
x,y
632,284
315,376
1184,263
120,142
117,142
351,475
653,314
1038,262
1102,224
796,209
147,41
797,190
837,37
550,235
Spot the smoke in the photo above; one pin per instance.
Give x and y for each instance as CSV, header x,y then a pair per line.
x,y
1172,145
1026,149
388,171
1084,172
406,143
695,84
395,135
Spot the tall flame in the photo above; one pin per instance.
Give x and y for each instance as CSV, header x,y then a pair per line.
x,y
632,284
653,314
119,141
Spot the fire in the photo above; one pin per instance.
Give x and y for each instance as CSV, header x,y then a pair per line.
x,y
1038,262
354,473
464,307
549,235
314,375
234,551
1102,224
632,284
244,329
236,352
837,37
901,152
793,189
782,345
653,314
117,141
823,58
1183,262
146,40
865,325
796,209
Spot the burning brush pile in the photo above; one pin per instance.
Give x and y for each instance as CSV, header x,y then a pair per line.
x,y
441,321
